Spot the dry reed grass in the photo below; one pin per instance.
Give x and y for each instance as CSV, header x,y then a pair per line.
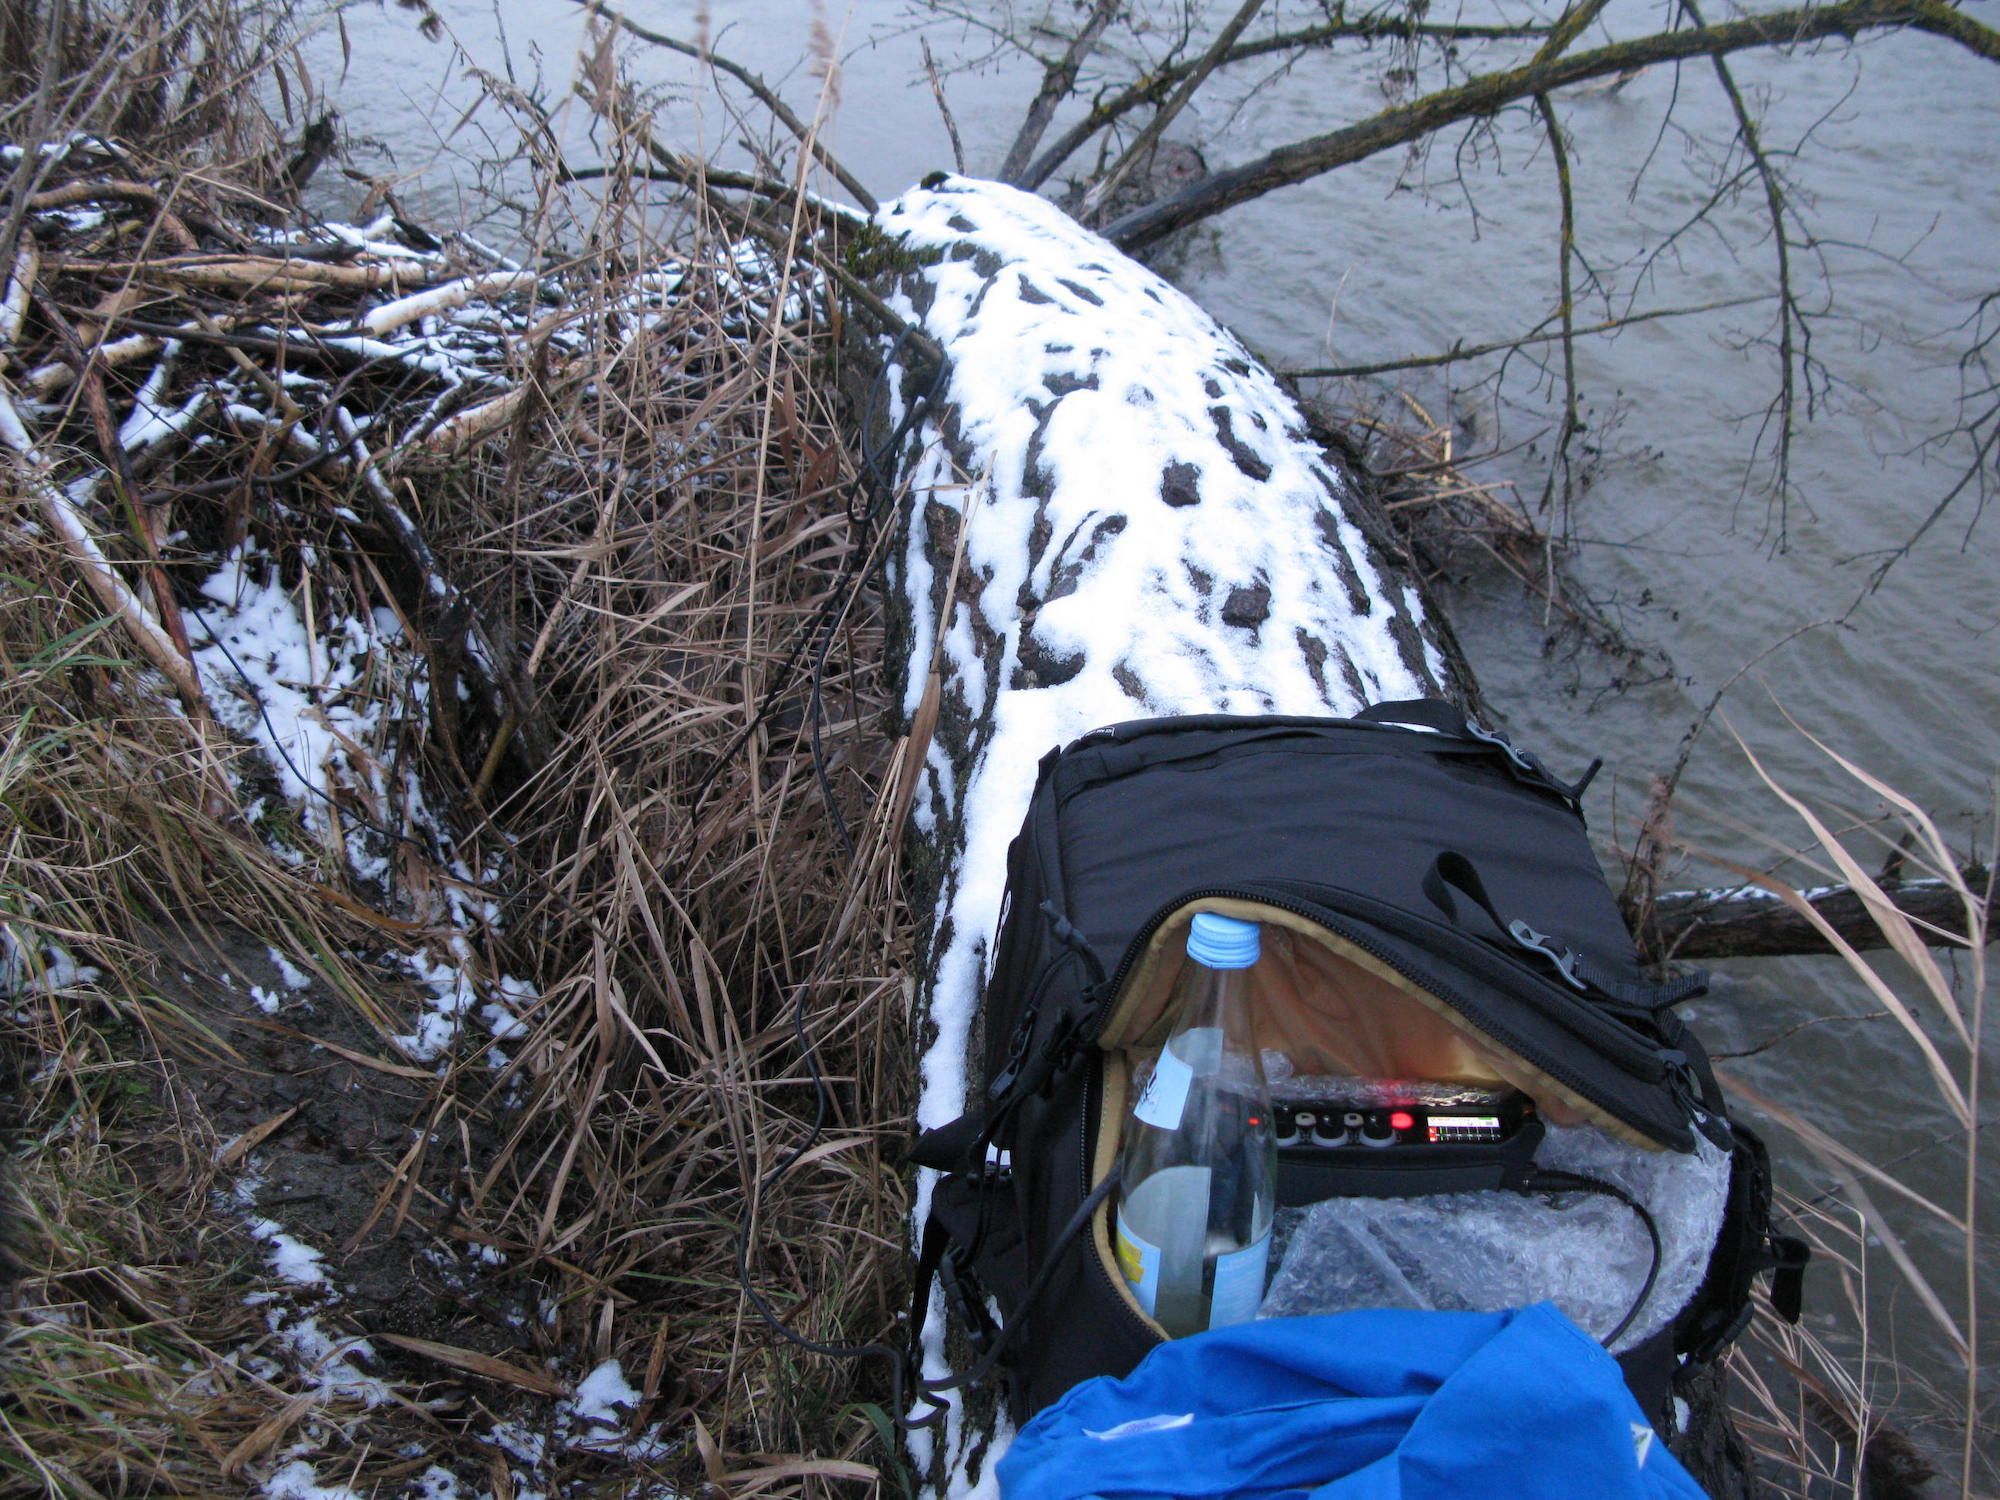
x,y
1824,1408
655,519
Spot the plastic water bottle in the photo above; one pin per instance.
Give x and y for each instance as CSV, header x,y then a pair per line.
x,y
1199,1162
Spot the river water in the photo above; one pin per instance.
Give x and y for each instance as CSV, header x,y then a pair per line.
x,y
1889,149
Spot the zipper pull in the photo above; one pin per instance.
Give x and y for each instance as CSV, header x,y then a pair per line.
x,y
1017,1055
1066,934
1681,1082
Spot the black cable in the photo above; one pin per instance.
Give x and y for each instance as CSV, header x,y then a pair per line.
x,y
873,489
1548,1180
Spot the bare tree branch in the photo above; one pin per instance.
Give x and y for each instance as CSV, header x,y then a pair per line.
x,y
1057,82
1490,92
1156,86
1459,352
1789,314
1569,26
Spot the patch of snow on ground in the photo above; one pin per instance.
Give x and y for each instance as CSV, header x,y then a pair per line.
x,y
297,1481
435,1483
320,706
595,1418
31,964
326,1361
313,704
296,1262
289,974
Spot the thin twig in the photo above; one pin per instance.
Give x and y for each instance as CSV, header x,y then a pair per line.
x,y
1789,314
1156,86
944,108
765,94
1458,352
1566,310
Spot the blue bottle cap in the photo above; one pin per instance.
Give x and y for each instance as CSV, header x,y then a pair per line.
x,y
1223,942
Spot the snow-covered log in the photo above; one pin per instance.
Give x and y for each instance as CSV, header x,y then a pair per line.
x,y
1114,512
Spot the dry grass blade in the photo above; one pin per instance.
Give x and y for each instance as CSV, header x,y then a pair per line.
x,y
485,1366
1831,1402
232,1155
1941,1074
641,481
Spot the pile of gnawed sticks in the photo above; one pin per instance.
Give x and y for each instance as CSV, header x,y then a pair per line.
x,y
153,352
157,351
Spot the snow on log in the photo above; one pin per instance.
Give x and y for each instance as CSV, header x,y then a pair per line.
x,y
1114,512
1749,922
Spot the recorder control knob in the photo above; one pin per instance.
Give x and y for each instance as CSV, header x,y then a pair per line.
x,y
1378,1132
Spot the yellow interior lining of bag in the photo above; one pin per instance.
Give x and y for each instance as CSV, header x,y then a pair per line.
x,y
1331,1008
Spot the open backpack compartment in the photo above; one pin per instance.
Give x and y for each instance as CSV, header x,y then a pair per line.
x,y
1434,919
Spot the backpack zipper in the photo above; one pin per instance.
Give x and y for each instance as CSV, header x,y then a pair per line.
x,y
1633,1053
1574,1012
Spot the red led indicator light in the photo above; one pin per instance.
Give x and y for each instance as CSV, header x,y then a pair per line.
x,y
1402,1119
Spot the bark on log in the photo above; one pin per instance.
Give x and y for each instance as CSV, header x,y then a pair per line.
x,y
1739,924
1113,512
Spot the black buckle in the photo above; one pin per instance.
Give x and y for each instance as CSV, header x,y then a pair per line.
x,y
1789,1255
1530,768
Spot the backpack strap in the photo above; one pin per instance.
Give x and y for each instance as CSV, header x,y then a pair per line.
x,y
1447,718
952,1147
1453,872
942,1260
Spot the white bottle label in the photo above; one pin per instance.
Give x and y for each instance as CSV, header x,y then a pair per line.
x,y
1239,1284
1165,1099
1139,1263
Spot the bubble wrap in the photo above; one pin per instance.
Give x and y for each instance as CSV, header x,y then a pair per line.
x,y
1486,1251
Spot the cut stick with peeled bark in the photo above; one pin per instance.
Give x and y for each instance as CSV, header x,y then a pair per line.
x,y
393,315
68,523
262,273
14,302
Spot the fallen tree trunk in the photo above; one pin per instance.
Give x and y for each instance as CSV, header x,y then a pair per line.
x,y
1752,923
1112,512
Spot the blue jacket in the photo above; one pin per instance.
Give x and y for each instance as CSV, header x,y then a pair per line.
x,y
1366,1405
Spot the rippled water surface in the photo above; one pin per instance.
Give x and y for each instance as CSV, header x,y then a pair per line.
x,y
1891,150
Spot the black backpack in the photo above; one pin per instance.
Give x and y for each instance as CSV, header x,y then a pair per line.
x,y
1448,872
